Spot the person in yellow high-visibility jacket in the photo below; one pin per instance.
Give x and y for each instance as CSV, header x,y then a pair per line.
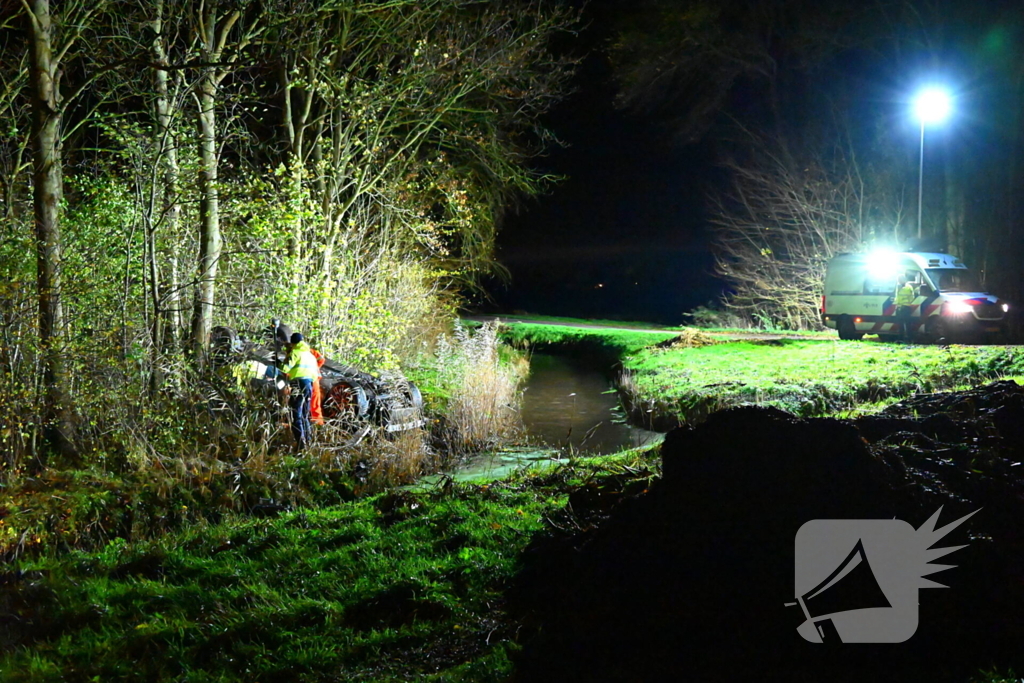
x,y
905,295
301,370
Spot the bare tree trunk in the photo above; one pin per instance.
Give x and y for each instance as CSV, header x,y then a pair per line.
x,y
294,163
13,165
174,304
209,217
47,188
213,35
166,318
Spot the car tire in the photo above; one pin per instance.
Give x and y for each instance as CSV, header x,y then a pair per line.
x,y
847,329
346,400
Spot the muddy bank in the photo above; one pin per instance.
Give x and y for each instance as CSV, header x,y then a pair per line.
x,y
688,580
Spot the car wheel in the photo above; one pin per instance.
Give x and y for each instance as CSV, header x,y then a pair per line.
x,y
847,329
346,400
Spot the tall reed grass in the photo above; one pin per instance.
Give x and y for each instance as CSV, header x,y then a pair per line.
x,y
482,379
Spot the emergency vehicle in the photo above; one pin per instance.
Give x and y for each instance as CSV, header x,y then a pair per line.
x,y
860,291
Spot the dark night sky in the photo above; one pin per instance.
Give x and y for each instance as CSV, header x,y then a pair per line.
x,y
622,237
625,235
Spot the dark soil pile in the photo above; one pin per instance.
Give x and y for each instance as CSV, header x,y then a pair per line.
x,y
687,581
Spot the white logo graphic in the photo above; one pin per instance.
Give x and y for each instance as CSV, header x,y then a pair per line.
x,y
856,580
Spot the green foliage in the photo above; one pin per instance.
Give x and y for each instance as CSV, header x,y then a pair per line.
x,y
19,387
713,317
356,221
365,308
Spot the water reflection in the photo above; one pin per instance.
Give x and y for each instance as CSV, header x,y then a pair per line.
x,y
572,404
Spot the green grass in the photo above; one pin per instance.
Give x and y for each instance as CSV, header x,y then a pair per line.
x,y
336,592
405,585
581,321
606,343
812,334
400,586
633,324
808,378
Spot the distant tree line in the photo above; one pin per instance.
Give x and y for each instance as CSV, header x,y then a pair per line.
x,y
808,105
167,167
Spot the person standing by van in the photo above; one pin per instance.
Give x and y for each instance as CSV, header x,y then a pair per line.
x,y
905,296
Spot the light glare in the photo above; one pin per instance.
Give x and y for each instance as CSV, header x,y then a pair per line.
x,y
883,264
958,307
932,105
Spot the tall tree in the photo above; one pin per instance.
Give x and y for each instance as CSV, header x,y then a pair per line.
x,y
48,49
224,30
383,97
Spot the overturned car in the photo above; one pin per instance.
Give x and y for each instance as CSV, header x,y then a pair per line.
x,y
350,396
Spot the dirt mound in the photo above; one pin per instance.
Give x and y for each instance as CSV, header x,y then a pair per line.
x,y
690,338
688,581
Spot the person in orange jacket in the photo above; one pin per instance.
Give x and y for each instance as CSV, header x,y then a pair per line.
x,y
316,415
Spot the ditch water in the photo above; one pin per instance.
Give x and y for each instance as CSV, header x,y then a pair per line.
x,y
572,404
568,406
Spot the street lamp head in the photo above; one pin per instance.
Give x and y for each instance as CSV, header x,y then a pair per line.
x,y
932,105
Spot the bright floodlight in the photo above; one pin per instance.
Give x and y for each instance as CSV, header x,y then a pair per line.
x,y
883,264
932,105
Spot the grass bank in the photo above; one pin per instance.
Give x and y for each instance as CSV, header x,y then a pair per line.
x,y
399,586
808,378
235,458
678,376
631,324
604,344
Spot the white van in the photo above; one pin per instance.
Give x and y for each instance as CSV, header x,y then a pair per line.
x,y
860,292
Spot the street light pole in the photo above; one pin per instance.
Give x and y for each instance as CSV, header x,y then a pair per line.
x,y
932,105
920,184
